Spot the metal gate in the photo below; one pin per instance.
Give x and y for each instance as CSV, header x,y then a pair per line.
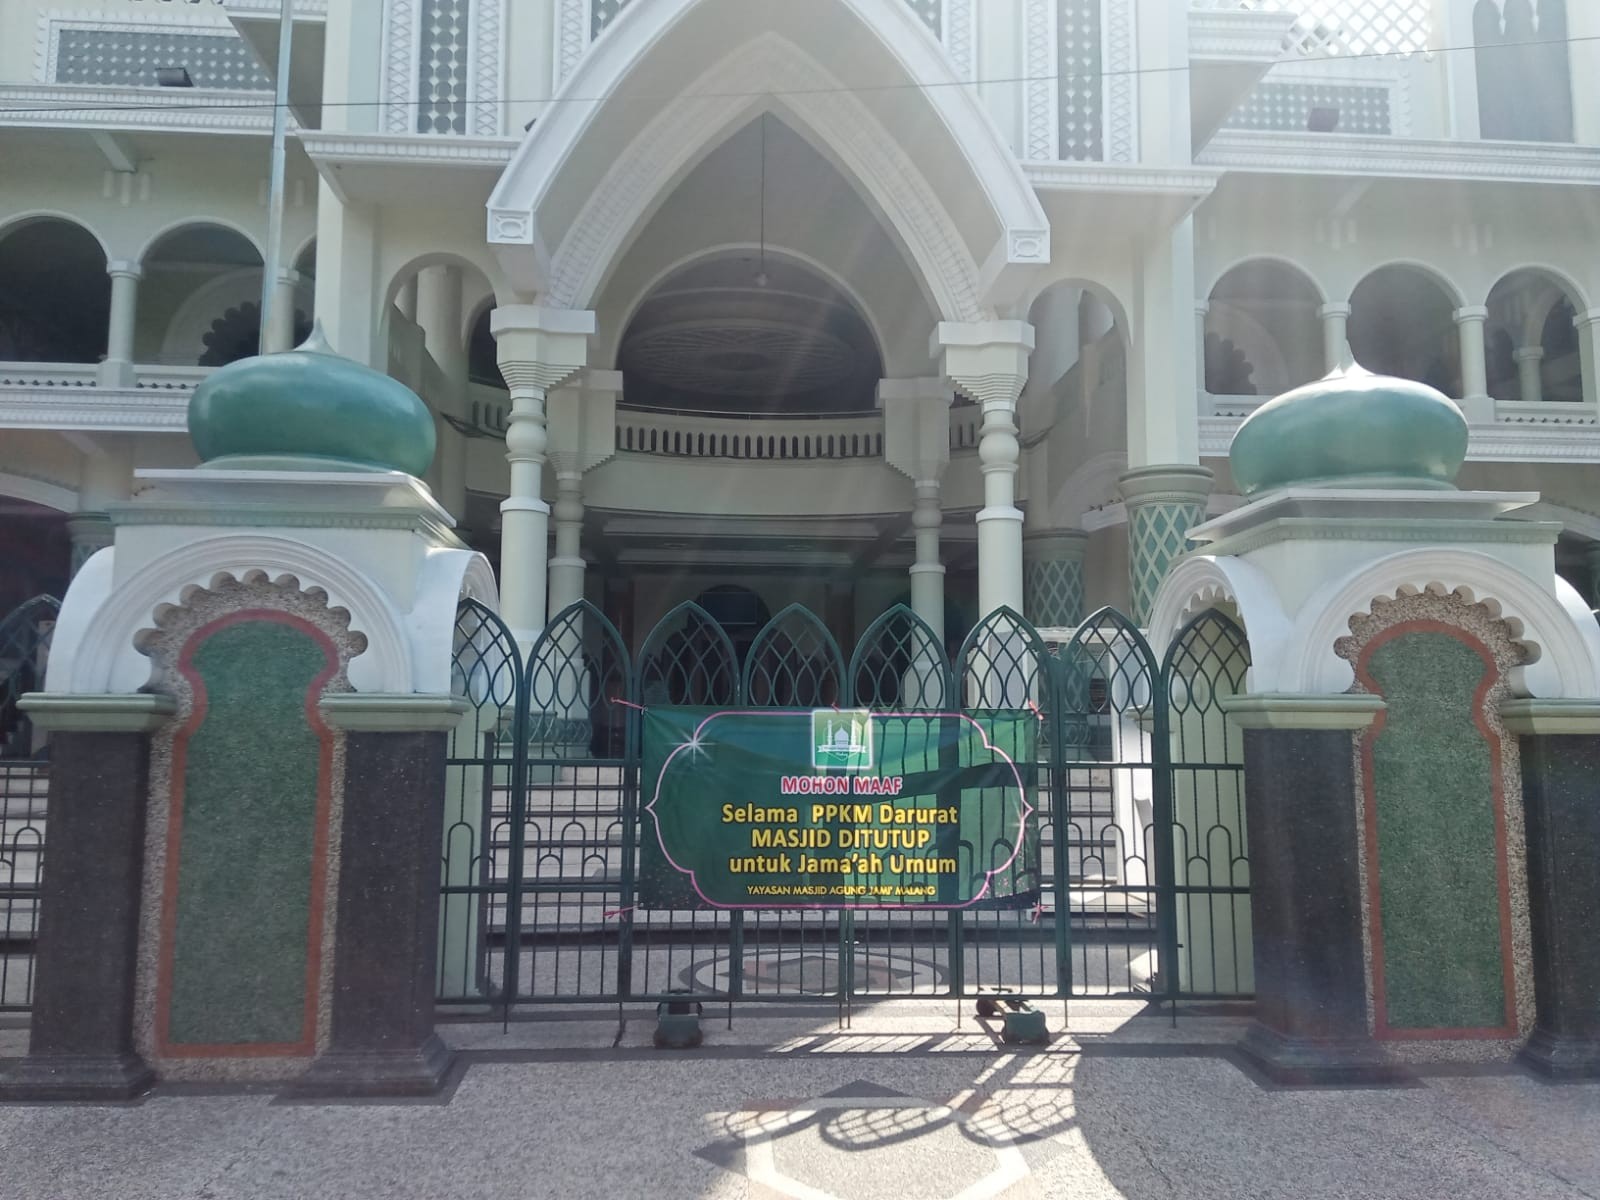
x,y
1144,888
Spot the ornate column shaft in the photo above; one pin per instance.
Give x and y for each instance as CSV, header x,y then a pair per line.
x,y
280,336
117,370
1335,334
1164,503
1530,379
1475,401
917,443
988,361
1054,577
538,350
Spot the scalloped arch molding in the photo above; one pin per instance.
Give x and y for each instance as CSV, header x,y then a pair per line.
x,y
1295,653
567,267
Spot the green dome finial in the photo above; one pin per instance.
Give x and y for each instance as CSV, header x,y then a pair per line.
x,y
309,409
1351,429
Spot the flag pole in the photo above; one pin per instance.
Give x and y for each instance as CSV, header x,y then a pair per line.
x,y
280,123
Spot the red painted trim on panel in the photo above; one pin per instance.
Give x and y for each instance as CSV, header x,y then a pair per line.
x,y
306,1046
1382,1028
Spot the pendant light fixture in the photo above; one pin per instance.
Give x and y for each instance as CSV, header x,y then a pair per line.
x,y
761,269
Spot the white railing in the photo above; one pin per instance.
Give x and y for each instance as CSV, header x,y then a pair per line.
x,y
707,435
1546,412
48,375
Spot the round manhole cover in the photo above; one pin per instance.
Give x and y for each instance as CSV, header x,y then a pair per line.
x,y
817,972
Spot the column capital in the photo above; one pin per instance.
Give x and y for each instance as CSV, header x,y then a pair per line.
x,y
1528,354
986,360
582,420
1471,312
916,426
289,277
1202,308
1586,320
1055,545
1341,309
541,348
126,268
1149,485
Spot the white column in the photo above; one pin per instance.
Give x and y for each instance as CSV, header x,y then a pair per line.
x,y
916,442
1335,335
1202,310
406,298
538,350
1475,400
280,336
1530,377
1588,327
105,478
1452,30
1583,33
117,370
436,299
988,361
927,571
567,566
1163,403
347,297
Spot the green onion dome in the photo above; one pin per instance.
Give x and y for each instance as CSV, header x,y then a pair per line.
x,y
309,409
1352,429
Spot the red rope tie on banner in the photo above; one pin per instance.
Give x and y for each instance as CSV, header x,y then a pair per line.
x,y
1038,912
616,912
627,703
1036,711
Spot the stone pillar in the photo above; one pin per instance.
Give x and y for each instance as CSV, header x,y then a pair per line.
x,y
405,300
105,478
348,298
538,349
1202,309
1335,334
1560,762
81,1041
988,361
1594,575
1163,503
1530,380
436,295
1452,30
1588,327
1475,400
1054,574
280,336
117,369
1310,1023
382,1041
916,414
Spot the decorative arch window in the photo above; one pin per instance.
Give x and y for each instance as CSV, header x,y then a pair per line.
x,y
1524,70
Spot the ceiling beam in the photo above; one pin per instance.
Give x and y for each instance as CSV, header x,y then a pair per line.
x,y
117,150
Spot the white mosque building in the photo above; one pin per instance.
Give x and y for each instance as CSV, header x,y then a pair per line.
x,y
836,302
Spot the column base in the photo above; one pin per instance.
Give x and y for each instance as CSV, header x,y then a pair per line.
x,y
1318,1062
77,1077
376,1074
1562,1056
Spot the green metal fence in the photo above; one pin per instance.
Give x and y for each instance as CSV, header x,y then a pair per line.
x,y
24,777
1144,874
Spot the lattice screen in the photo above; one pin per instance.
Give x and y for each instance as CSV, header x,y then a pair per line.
x,y
1287,106
1078,84
129,57
1346,27
603,12
442,67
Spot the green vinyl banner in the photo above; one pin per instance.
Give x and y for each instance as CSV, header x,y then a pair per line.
x,y
823,808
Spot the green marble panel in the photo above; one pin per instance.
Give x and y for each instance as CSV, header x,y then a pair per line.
x,y
250,783
1438,876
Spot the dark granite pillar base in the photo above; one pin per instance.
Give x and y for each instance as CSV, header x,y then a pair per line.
x,y
1562,1056
376,1074
1562,799
382,1039
77,1077
80,1044
1305,894
1318,1062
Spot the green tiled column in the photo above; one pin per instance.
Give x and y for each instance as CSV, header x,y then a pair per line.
x,y
1053,577
1164,503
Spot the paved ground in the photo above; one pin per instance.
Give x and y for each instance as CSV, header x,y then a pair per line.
x,y
901,1106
